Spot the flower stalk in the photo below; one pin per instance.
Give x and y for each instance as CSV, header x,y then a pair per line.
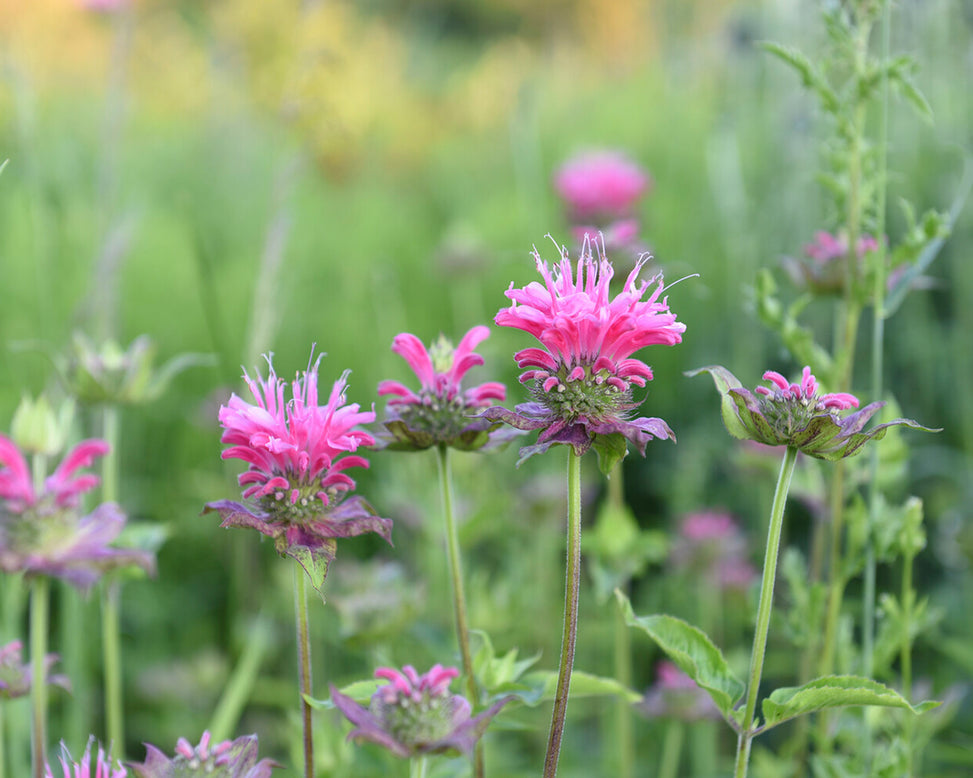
x,y
39,607
764,609
459,593
570,632
304,666
111,597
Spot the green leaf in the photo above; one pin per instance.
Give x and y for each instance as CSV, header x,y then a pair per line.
x,y
725,380
835,691
360,691
693,652
499,676
582,685
611,449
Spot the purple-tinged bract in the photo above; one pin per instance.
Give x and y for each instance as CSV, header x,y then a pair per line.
x,y
298,452
582,378
227,759
793,414
440,413
415,714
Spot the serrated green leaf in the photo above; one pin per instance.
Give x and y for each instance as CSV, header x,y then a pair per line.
x,y
693,652
836,691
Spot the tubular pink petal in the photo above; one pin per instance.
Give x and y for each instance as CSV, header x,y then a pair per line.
x,y
410,348
550,383
576,374
839,401
396,388
777,379
535,357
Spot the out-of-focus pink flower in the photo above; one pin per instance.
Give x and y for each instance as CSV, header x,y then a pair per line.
x,y
43,533
415,714
228,759
582,378
822,269
676,695
710,544
792,414
604,184
102,767
297,453
16,677
439,414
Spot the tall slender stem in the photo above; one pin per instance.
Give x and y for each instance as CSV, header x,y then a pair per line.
x,y
570,633
764,609
459,592
39,601
304,665
905,656
671,748
624,746
111,597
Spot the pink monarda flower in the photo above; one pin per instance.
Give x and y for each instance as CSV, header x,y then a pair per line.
x,y
16,677
676,696
440,413
600,185
711,544
822,269
415,714
102,767
297,453
43,532
582,378
792,414
228,759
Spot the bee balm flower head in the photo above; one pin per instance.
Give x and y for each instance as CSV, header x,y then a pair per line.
x,y
582,378
793,414
298,452
440,412
415,714
101,767
228,759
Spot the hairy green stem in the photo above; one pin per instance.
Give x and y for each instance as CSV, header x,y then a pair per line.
x,y
459,592
39,602
570,632
764,609
304,666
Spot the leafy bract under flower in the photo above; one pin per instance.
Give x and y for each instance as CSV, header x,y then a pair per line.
x,y
415,714
792,414
228,759
440,413
582,378
297,453
43,532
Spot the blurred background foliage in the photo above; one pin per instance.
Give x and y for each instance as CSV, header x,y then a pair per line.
x,y
240,176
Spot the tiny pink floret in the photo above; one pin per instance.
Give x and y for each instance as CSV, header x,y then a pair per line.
x,y
806,391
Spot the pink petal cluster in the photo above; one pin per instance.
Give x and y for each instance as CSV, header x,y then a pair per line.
x,y
827,247
16,677
228,759
294,449
601,183
441,412
805,392
43,532
64,487
584,330
101,768
406,684
677,696
711,544
415,714
442,382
